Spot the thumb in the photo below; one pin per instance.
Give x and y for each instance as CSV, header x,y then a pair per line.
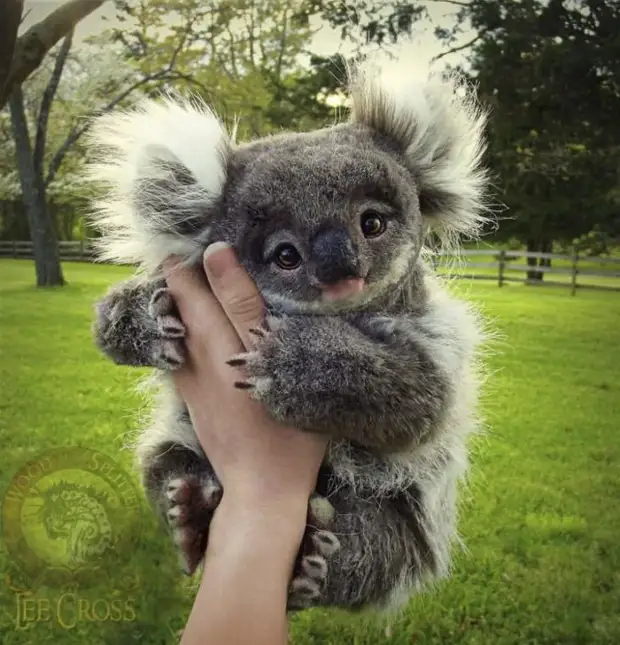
x,y
235,290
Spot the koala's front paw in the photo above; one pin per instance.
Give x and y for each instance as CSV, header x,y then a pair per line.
x,y
254,362
272,368
168,350
191,501
318,546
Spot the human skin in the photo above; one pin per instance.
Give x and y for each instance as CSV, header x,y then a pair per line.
x,y
267,470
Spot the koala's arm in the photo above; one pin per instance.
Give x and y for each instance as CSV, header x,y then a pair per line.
x,y
379,381
136,324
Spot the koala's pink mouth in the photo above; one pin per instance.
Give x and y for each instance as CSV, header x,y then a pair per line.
x,y
342,289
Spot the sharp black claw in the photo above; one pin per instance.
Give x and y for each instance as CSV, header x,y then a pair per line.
x,y
243,385
235,362
158,295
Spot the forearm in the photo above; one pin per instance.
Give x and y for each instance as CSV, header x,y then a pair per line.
x,y
243,593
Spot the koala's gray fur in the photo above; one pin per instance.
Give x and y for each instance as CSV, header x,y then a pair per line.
x,y
390,374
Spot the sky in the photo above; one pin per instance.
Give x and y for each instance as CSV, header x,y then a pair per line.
x,y
423,44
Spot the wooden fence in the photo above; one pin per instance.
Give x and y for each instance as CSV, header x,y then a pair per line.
x,y
572,271
76,251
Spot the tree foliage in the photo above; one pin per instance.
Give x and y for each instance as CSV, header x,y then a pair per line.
x,y
548,69
244,57
364,22
551,73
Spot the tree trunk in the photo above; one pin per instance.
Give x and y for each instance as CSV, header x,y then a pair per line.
x,y
546,246
10,17
42,233
533,246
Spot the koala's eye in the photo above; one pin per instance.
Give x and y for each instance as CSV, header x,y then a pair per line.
x,y
287,257
373,224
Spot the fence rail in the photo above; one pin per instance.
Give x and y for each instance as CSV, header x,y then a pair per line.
x,y
572,271
76,251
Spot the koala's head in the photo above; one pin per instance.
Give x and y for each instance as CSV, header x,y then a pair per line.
x,y
330,218
321,217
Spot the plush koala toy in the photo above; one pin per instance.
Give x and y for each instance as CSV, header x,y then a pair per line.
x,y
361,341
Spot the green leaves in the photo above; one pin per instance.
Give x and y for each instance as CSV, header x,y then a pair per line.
x,y
550,71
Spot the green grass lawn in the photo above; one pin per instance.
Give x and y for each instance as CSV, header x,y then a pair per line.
x,y
540,519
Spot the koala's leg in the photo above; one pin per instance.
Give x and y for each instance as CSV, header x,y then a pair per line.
x,y
317,549
385,551
183,487
137,324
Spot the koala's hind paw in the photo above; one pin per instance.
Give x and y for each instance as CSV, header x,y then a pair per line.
x,y
168,349
190,503
318,546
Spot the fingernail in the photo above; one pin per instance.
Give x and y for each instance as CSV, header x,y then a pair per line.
x,y
218,264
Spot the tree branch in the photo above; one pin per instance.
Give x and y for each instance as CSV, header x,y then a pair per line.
x,y
20,125
46,103
25,16
168,73
233,58
179,76
460,48
10,18
78,131
251,32
32,47
282,43
454,2
181,44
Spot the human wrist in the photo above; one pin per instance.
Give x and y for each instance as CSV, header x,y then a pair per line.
x,y
247,571
270,524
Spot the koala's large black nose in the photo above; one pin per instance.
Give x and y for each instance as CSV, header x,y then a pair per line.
x,y
334,255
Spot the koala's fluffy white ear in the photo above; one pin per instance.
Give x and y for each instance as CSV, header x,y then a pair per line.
x,y
163,167
438,125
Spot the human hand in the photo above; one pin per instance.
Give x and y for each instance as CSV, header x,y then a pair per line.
x,y
268,471
256,459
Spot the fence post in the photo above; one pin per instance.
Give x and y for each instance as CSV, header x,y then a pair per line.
x,y
501,266
82,250
574,271
14,248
